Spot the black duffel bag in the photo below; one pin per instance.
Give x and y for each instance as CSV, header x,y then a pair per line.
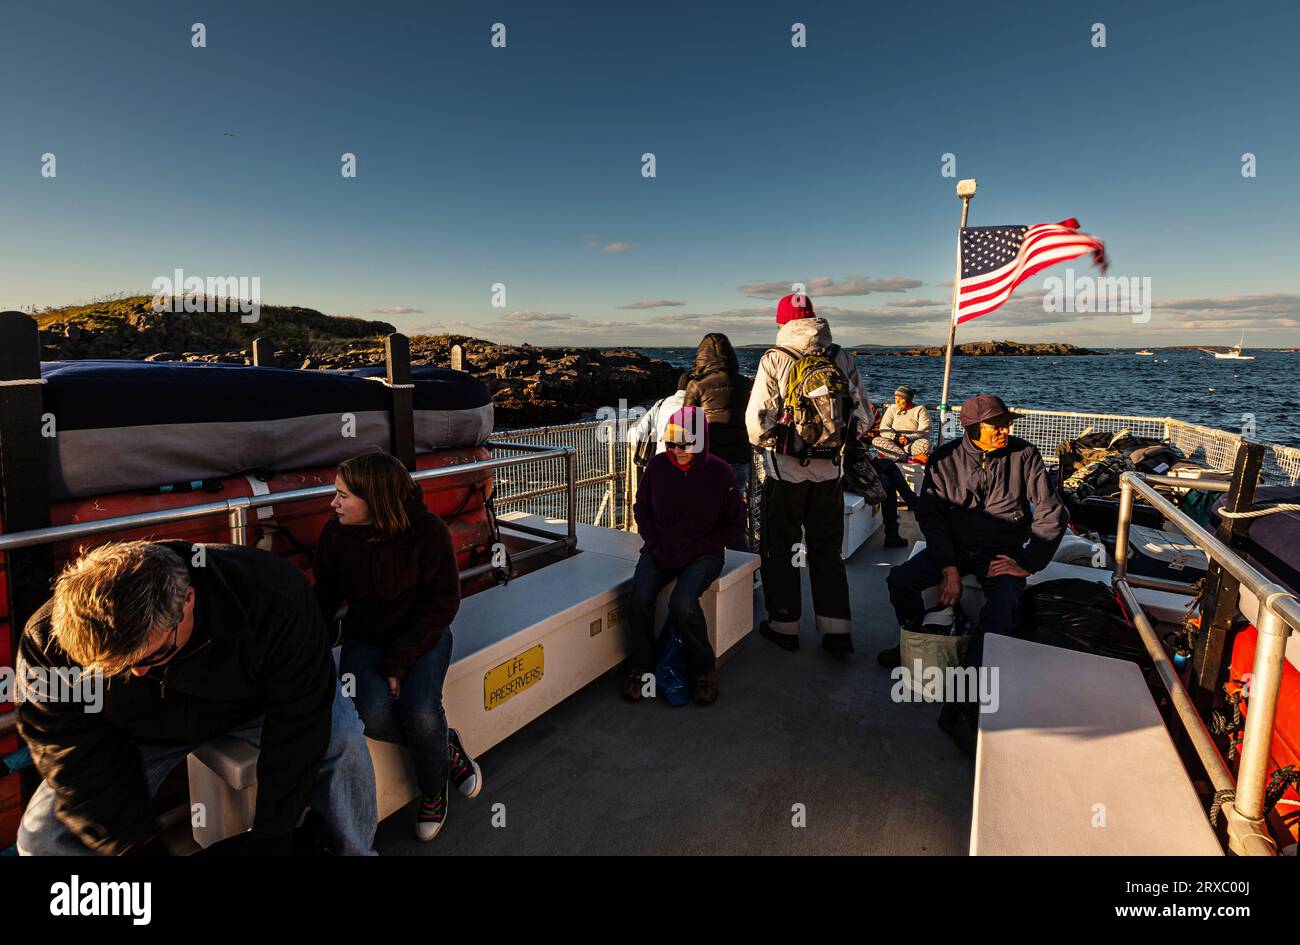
x,y
1083,616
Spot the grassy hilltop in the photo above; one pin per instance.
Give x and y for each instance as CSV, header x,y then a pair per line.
x,y
528,385
129,327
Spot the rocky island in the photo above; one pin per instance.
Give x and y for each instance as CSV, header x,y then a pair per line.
x,y
976,349
529,385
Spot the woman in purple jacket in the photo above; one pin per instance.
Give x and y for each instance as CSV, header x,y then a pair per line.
x,y
688,510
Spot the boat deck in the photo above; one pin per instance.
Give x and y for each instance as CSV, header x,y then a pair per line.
x,y
597,775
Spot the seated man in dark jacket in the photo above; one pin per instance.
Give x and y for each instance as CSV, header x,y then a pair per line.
x,y
986,508
192,642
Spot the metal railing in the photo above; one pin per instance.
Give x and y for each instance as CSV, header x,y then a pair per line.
x,y
1214,448
599,472
237,512
1279,614
606,477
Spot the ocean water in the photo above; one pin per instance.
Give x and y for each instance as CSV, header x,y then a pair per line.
x,y
1185,385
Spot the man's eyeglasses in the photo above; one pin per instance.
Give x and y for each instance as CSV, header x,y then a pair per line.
x,y
689,444
160,655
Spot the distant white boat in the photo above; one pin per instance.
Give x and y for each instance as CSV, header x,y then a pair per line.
x,y
1233,353
1145,353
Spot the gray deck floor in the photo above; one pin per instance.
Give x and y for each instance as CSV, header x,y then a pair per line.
x,y
597,775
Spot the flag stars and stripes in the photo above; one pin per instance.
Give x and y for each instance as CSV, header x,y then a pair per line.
x,y
996,259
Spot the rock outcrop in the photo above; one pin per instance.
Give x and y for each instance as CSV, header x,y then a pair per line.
x,y
978,349
529,385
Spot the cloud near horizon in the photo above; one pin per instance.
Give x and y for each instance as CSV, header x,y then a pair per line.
x,y
828,287
921,322
616,248
654,303
536,317
919,303
395,310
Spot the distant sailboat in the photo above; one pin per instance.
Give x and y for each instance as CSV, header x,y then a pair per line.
x,y
1233,353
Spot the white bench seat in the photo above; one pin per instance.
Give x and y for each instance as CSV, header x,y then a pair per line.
x,y
573,609
861,520
1076,761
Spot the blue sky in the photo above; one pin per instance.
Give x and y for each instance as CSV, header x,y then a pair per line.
x,y
522,165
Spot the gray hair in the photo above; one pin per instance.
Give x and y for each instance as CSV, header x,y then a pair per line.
x,y
110,601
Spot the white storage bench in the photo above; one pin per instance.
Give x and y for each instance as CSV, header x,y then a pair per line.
x,y
1076,761
520,650
861,519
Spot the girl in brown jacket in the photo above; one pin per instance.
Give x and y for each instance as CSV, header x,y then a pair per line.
x,y
392,561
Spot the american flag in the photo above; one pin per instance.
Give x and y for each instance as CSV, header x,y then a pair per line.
x,y
996,259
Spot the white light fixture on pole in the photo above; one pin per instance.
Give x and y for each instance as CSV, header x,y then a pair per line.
x,y
965,190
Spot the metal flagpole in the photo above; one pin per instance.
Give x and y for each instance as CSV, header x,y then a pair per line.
x,y
965,190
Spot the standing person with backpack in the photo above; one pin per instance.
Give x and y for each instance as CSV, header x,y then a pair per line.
x,y
648,432
805,393
722,392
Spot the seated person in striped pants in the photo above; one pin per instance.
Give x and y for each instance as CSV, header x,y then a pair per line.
x,y
904,429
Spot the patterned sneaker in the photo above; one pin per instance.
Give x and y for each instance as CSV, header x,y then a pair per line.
x,y
465,773
433,814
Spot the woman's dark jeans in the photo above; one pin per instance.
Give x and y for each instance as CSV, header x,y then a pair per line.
x,y
415,718
683,607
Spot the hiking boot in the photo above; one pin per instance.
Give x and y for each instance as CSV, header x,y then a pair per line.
x,y
433,814
957,722
465,772
705,688
895,541
891,658
838,643
786,641
632,684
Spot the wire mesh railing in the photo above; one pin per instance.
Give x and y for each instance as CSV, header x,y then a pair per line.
x,y
599,471
1211,447
1281,465
1047,428
606,475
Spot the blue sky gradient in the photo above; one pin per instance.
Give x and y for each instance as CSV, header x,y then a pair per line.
x,y
522,165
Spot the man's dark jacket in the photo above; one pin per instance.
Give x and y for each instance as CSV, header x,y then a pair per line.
x,y
974,505
260,647
722,392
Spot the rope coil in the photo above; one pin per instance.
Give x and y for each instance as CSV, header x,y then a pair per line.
x,y
384,381
1261,512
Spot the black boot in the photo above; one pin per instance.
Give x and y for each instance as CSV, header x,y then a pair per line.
x,y
786,641
838,643
890,658
958,720
894,540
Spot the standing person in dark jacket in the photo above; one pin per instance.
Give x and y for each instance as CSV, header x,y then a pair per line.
x,y
393,562
718,388
688,510
190,642
987,507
